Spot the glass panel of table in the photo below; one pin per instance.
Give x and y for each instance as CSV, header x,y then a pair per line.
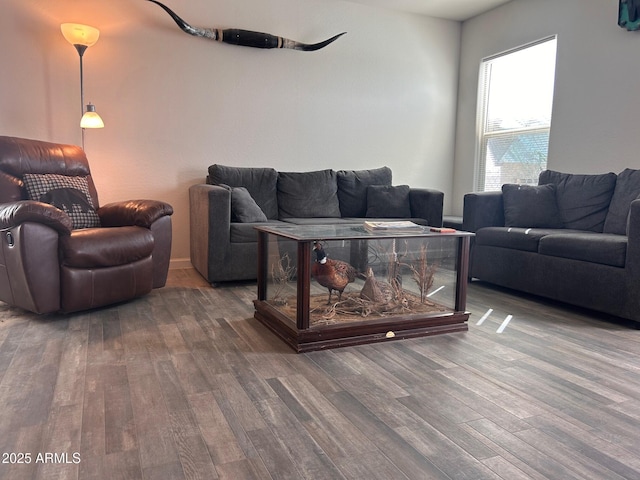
x,y
373,287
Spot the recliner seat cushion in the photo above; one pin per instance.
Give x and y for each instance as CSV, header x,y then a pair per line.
x,y
583,200
105,247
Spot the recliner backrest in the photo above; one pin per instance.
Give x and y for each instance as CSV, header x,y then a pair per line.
x,y
21,155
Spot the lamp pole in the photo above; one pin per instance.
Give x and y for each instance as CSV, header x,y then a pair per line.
x,y
82,37
81,49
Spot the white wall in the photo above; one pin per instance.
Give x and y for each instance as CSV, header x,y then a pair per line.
x,y
594,127
384,94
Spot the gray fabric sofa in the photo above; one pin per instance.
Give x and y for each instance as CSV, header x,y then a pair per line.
x,y
572,238
225,210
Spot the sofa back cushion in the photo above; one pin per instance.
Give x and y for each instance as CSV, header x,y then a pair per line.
x,y
352,189
583,200
308,194
244,208
386,201
627,189
530,206
261,184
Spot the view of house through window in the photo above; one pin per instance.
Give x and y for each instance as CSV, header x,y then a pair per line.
x,y
515,100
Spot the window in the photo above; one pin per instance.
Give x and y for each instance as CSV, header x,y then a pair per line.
x,y
515,99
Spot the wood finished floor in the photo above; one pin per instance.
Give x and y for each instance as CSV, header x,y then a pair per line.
x,y
184,383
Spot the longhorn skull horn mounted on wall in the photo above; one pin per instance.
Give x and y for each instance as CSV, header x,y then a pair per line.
x,y
245,38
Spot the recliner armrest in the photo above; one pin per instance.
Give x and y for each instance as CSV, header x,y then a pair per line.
x,y
427,203
13,214
140,213
482,209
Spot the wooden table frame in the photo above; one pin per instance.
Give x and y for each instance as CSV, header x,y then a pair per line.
x,y
302,337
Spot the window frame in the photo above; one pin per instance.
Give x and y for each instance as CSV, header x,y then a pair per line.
x,y
482,135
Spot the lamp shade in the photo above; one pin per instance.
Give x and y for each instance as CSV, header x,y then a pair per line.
x,y
91,119
78,34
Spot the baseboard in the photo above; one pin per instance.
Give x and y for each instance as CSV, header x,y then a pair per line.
x,y
176,263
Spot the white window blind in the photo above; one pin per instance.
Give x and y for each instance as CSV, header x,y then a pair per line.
x,y
514,115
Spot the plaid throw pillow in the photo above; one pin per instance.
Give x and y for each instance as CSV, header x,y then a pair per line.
x,y
70,194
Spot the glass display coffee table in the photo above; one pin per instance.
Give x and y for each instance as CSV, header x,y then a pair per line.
x,y
372,287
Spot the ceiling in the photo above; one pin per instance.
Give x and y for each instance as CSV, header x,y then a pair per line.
x,y
450,9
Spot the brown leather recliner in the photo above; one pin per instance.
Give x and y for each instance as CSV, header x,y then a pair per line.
x,y
48,266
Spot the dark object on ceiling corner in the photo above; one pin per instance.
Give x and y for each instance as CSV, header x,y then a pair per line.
x,y
245,38
629,14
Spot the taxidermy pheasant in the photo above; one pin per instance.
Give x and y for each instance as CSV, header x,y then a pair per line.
x,y
332,274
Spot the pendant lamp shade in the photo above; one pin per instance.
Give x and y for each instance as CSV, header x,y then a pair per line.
x,y
91,119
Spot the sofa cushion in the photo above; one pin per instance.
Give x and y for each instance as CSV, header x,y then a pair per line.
x,y
526,239
604,248
246,233
308,194
627,189
244,208
387,201
352,189
530,206
583,200
68,193
259,182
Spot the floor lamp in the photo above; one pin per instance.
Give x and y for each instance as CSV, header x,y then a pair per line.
x,y
82,37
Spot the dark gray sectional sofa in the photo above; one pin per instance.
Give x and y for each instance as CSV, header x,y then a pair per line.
x,y
573,238
225,210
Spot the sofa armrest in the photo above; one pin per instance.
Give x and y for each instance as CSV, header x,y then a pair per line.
x,y
210,226
139,213
427,204
16,213
482,209
633,240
